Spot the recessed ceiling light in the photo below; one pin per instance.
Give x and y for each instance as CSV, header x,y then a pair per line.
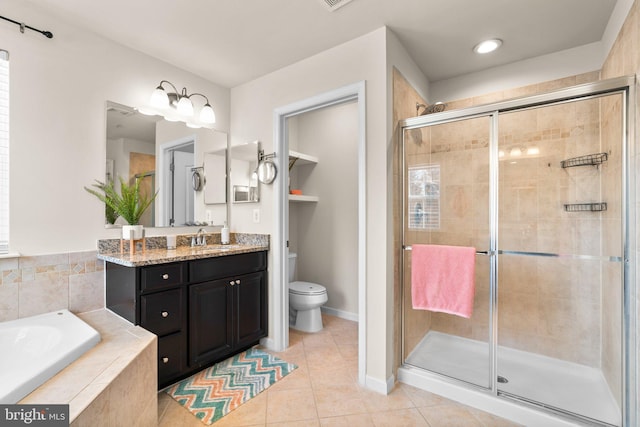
x,y
487,46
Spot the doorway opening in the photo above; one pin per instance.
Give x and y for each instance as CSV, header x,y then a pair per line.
x,y
352,93
178,160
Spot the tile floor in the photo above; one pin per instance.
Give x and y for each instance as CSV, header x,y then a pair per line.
x,y
324,391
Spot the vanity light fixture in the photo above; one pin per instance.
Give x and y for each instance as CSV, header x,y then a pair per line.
x,y
487,46
181,103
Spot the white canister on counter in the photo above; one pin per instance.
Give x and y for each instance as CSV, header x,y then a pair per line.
x,y
224,234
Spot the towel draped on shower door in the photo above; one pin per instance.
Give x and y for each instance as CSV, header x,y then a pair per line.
x,y
443,278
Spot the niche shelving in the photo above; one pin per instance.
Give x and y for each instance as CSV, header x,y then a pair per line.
x,y
297,159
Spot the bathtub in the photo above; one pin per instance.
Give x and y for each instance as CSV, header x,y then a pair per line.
x,y
36,348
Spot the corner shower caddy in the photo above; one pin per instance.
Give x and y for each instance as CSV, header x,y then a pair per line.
x,y
588,160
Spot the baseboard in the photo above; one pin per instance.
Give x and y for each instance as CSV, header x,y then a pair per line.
x,y
378,386
268,343
340,313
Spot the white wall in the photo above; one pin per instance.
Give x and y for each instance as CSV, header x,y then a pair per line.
x,y
252,110
326,235
59,88
544,68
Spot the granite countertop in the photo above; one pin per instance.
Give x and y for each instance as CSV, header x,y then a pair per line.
x,y
181,253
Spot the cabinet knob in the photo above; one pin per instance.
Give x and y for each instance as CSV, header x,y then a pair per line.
x,y
238,282
165,314
232,283
165,276
165,360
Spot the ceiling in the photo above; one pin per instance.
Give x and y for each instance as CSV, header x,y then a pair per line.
x,y
230,42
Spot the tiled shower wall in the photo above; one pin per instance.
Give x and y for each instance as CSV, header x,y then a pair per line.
x,y
548,306
31,285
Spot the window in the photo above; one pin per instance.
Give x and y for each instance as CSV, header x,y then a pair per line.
x,y
424,197
4,151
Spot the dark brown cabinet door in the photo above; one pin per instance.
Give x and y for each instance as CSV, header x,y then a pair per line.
x,y
210,321
251,309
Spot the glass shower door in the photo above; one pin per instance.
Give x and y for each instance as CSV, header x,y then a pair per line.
x,y
560,263
447,202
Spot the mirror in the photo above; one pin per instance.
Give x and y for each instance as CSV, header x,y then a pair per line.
x,y
170,158
244,178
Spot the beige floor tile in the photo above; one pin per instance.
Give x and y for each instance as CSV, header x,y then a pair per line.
x,y
253,412
339,400
176,415
304,423
358,420
163,403
322,339
339,375
348,351
377,402
401,417
325,357
324,391
449,416
290,405
297,379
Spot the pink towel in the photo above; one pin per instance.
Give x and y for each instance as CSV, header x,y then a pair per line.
x,y
443,278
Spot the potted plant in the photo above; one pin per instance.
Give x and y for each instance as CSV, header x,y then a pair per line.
x,y
128,204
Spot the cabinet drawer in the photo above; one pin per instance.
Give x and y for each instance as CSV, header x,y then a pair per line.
x,y
224,266
161,313
161,276
170,357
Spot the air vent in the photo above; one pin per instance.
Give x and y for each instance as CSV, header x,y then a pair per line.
x,y
333,5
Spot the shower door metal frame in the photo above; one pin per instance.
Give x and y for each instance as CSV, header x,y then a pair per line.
x,y
626,86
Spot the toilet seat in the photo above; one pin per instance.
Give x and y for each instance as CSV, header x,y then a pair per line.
x,y
306,288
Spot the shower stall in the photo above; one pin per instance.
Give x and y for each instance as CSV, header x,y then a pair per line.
x,y
542,187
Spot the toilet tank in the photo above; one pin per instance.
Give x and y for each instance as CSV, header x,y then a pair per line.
x,y
292,265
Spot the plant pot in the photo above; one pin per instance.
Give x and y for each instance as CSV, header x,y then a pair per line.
x,y
135,232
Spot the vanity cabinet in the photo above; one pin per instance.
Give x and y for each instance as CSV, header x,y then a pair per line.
x,y
202,310
225,316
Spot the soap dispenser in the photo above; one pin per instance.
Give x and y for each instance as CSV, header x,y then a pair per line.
x,y
224,235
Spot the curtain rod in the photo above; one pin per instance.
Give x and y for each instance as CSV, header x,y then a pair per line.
x,y
22,25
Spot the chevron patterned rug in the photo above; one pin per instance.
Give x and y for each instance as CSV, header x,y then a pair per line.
x,y
214,392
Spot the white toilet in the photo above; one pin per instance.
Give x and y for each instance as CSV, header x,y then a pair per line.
x,y
305,300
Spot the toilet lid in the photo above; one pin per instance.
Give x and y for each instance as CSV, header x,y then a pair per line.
x,y
306,288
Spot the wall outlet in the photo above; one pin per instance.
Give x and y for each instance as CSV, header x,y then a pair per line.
x,y
256,215
208,215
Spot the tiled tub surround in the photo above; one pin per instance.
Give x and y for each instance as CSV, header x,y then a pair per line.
x,y
113,384
31,285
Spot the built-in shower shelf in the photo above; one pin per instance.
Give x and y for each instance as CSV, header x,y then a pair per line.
x,y
586,207
588,160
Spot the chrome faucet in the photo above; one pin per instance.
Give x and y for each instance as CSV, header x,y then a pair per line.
x,y
200,239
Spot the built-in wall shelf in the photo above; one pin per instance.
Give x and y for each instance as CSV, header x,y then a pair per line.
x,y
588,160
302,198
300,159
